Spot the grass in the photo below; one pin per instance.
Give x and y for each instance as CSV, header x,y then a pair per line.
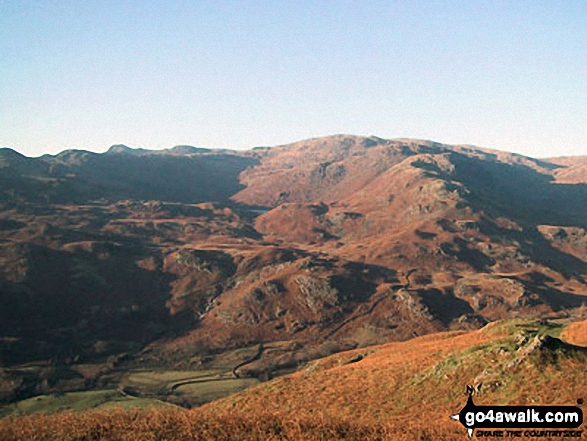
x,y
427,373
140,388
200,393
78,401
159,381
576,333
398,391
188,388
151,377
158,424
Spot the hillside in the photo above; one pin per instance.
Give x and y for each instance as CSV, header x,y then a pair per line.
x,y
515,362
244,266
400,391
179,174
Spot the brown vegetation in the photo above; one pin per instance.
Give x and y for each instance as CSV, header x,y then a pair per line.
x,y
576,333
399,391
188,258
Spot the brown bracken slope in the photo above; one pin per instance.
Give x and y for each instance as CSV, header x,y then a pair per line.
x,y
397,391
171,258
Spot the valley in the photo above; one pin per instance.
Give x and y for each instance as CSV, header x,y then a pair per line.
x,y
180,276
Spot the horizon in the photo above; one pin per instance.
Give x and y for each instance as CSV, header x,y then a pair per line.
x,y
400,138
105,149
233,75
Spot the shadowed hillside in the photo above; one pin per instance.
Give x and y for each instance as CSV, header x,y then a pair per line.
x,y
75,176
220,269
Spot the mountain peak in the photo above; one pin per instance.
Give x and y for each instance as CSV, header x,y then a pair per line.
x,y
120,148
187,149
7,152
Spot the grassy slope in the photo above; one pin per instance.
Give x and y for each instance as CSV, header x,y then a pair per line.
x,y
395,391
139,389
576,333
428,374
80,401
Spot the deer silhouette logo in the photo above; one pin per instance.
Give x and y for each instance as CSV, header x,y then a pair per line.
x,y
474,389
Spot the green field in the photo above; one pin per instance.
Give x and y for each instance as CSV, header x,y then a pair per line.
x,y
64,388
139,388
200,393
78,401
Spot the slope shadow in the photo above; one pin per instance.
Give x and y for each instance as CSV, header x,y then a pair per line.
x,y
190,179
467,254
530,199
444,306
71,301
80,176
557,300
521,193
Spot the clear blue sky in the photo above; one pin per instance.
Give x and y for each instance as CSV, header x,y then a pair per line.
x,y
510,75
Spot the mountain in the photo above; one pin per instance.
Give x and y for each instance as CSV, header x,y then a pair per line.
x,y
76,176
252,263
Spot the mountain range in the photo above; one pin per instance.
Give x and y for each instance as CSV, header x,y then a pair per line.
x,y
276,256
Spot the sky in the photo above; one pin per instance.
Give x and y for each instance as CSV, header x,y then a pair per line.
x,y
509,75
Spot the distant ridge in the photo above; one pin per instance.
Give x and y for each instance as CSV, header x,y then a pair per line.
x,y
121,148
187,149
7,152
